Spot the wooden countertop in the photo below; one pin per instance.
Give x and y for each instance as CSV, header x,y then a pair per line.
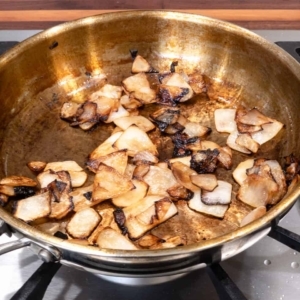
x,y
252,14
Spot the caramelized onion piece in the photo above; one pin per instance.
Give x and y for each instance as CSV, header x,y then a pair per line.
x,y
220,195
148,213
240,173
133,196
225,119
135,140
214,210
258,190
140,121
193,129
36,166
176,80
231,142
149,240
106,147
119,113
69,111
139,87
18,181
179,192
171,95
140,171
159,180
268,131
182,173
207,182
140,64
253,215
169,243
68,165
145,156
253,117
3,199
111,239
32,208
81,197
109,183
245,140
83,223
197,83
165,116
225,157
117,160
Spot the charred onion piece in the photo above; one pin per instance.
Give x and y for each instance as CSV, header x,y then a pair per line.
x,y
117,160
171,95
215,210
120,219
148,213
205,161
179,192
83,223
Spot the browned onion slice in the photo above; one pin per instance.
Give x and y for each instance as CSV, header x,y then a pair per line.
x,y
179,192
68,165
231,142
245,140
109,183
214,210
220,195
3,199
257,190
133,196
176,80
18,181
69,110
81,197
268,131
106,147
182,173
197,83
117,160
225,157
119,113
193,129
171,242
135,140
83,223
140,121
148,213
159,179
207,182
254,117
240,173
145,156
36,166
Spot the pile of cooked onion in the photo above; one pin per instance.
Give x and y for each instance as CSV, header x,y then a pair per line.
x,y
143,191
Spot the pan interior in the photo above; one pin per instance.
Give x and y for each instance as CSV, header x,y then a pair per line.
x,y
52,68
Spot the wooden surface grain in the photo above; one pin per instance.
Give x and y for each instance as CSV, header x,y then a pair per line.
x,y
252,14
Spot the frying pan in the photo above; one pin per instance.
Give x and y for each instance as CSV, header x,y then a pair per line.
x,y
41,73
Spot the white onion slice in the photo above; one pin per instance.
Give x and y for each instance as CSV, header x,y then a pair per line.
x,y
231,142
240,174
220,195
225,119
140,121
268,131
121,112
